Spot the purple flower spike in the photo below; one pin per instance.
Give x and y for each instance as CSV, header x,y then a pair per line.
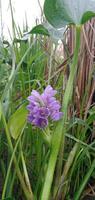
x,y
40,122
43,112
43,107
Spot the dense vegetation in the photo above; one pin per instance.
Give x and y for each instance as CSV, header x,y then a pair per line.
x,y
57,162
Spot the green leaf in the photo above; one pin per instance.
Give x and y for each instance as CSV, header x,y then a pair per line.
x,y
91,116
0,111
91,119
17,121
9,198
80,122
62,12
16,40
87,16
39,29
48,30
55,34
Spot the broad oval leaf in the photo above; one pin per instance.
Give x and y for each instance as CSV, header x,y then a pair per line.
x,y
17,121
39,29
55,34
48,30
62,12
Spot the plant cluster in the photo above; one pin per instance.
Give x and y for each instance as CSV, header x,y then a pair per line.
x,y
47,143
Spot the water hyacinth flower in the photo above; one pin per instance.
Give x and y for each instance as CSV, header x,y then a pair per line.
x,y
43,107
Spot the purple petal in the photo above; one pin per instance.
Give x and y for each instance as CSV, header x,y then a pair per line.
x,y
56,116
35,94
40,122
35,109
37,97
54,105
44,112
41,112
30,118
50,91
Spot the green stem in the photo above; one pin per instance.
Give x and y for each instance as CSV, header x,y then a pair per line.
x,y
46,137
65,172
13,75
84,182
50,67
25,171
25,189
73,69
68,95
13,22
60,129
9,168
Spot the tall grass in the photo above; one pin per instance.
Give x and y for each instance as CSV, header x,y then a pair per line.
x,y
31,63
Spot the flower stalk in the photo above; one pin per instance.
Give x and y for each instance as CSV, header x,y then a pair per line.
x,y
60,131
